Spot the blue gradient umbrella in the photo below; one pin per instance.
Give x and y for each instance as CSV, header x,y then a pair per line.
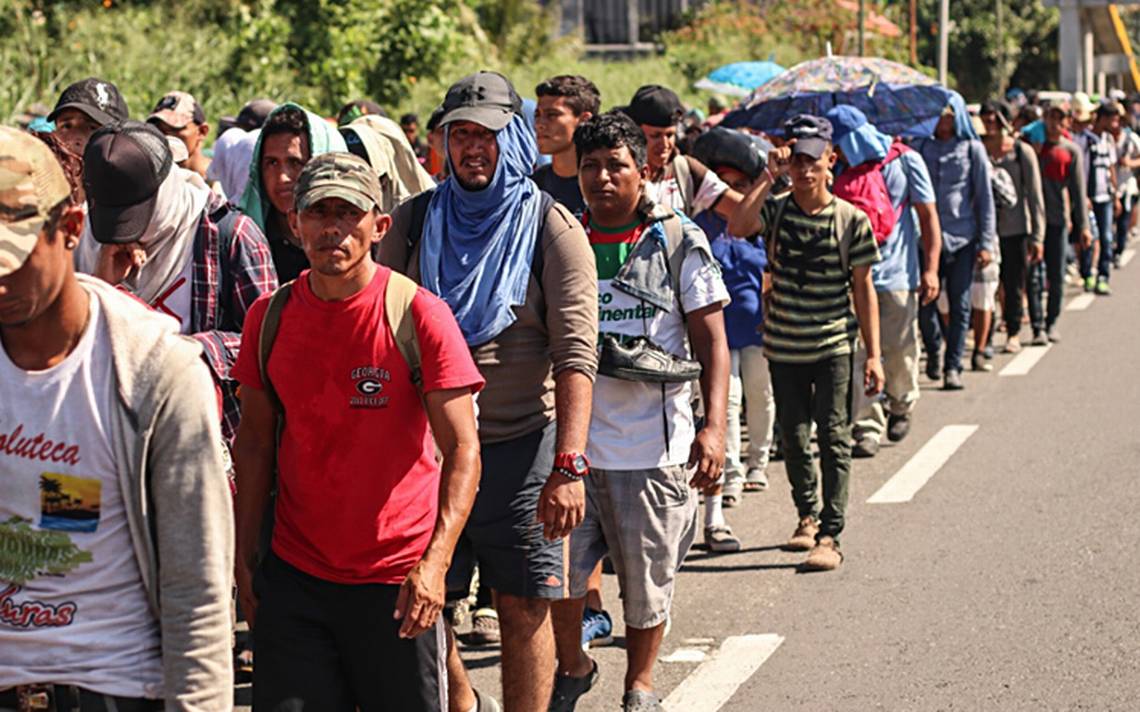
x,y
739,78
898,100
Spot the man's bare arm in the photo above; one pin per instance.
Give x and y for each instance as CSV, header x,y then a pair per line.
x,y
452,416
710,345
254,459
931,229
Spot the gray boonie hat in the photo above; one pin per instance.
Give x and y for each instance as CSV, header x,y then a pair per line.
x,y
31,185
338,175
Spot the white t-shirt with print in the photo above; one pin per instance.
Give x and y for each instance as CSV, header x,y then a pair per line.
x,y
175,299
72,605
627,430
666,192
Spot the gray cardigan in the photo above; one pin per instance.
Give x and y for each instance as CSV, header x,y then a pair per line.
x,y
1028,216
166,435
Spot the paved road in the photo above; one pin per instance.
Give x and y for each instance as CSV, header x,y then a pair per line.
x,y
1009,582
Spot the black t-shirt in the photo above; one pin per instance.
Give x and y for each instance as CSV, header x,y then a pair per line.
x,y
564,190
288,259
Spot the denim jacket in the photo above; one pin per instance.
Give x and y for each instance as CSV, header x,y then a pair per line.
x,y
648,273
960,172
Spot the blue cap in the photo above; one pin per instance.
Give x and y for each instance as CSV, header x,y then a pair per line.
x,y
845,119
811,133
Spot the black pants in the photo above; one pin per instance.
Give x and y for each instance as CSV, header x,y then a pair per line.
x,y
1014,266
1052,277
328,646
821,392
67,698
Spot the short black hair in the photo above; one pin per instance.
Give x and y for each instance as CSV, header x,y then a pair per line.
x,y
409,119
612,129
289,120
580,93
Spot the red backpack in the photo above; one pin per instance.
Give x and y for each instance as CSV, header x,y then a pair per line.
x,y
864,187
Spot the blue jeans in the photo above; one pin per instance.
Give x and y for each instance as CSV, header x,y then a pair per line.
x,y
957,272
1102,232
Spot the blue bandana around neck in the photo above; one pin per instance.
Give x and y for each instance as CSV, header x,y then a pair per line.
x,y
477,246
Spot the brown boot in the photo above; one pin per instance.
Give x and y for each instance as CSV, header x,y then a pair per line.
x,y
825,556
804,538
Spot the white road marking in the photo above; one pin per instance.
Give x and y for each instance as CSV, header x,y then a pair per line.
x,y
1126,257
1023,363
686,655
1081,302
919,469
714,683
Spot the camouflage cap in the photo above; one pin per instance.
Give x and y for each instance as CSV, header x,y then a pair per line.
x,y
31,185
338,175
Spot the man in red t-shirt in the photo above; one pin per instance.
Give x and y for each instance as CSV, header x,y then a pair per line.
x,y
348,598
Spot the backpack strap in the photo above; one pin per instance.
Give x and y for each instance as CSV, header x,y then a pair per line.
x,y
683,174
674,229
270,324
398,298
773,230
845,215
225,219
420,204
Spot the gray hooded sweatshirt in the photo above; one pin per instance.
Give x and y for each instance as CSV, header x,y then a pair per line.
x,y
166,434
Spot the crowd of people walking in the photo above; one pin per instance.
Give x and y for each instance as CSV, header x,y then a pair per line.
x,y
342,378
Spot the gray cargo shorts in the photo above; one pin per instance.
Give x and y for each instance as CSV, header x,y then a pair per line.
x,y
646,520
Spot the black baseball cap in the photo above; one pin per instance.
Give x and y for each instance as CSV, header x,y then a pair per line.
x,y
485,98
251,116
123,166
811,133
655,105
101,100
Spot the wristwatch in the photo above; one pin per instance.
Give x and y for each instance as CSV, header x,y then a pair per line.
x,y
572,465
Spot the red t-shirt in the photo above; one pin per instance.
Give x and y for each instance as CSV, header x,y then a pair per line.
x,y
358,484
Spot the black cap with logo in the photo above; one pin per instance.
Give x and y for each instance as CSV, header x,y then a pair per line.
x,y
123,167
485,98
655,105
811,133
98,99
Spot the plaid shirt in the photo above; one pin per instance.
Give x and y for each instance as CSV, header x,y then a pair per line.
x,y
226,283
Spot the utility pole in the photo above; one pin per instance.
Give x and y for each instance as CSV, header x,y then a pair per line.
x,y
862,28
998,20
914,33
943,39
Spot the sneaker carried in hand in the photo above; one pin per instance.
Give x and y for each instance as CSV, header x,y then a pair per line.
x,y
640,701
597,628
756,480
804,537
1102,287
721,540
484,628
824,556
898,427
568,689
865,447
